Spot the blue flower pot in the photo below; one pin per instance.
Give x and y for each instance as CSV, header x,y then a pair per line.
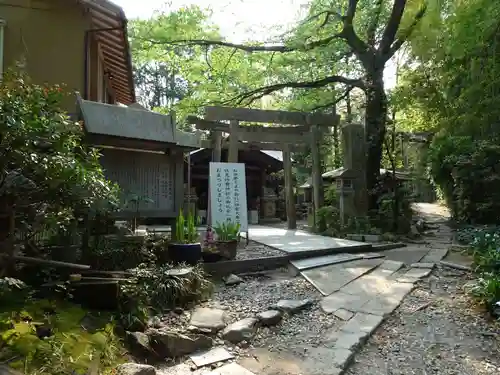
x,y
189,253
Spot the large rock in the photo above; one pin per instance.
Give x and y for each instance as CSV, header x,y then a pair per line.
x,y
208,319
139,342
270,317
293,306
232,280
174,344
241,330
135,369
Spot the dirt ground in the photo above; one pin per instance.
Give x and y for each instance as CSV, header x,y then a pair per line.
x,y
437,330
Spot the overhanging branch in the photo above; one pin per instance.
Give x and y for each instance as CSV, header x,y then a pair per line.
x,y
250,96
242,47
246,47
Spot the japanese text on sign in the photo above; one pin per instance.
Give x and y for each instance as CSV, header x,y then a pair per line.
x,y
228,200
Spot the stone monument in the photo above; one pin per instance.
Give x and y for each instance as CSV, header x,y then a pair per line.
x,y
352,181
269,199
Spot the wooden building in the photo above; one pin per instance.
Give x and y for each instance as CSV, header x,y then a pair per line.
x,y
259,165
143,152
81,44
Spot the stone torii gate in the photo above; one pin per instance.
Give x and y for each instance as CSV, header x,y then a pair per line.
x,y
303,129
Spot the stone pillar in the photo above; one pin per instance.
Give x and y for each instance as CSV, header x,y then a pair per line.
x,y
289,193
354,150
217,146
317,178
233,142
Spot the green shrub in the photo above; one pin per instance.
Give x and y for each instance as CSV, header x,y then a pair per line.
x,y
468,174
384,218
46,170
328,220
485,246
154,289
122,252
71,347
331,196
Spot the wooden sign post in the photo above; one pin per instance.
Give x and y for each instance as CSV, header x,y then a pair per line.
x,y
228,195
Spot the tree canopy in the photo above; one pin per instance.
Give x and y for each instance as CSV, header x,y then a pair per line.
x,y
334,60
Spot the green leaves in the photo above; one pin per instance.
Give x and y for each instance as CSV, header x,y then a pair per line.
x,y
43,163
227,231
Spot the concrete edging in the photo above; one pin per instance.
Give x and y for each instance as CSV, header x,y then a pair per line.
x,y
269,263
246,265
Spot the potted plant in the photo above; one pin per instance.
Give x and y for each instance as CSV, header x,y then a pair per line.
x,y
227,238
186,247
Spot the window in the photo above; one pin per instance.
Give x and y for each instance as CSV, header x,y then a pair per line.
x,y
2,28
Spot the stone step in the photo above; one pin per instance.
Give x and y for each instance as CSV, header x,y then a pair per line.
x,y
297,266
329,279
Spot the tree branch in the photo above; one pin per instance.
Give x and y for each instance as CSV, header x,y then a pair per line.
x,y
242,47
351,11
402,39
336,101
328,14
392,26
372,28
360,48
248,48
250,96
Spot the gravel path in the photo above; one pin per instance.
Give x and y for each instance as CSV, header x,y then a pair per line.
x,y
435,331
259,293
255,250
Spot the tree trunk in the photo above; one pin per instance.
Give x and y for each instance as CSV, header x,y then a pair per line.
x,y
375,128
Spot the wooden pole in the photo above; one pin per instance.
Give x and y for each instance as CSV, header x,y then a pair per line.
x,y
317,179
289,193
233,142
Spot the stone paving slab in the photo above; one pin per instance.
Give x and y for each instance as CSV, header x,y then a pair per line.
x,y
407,255
346,340
362,322
372,255
385,303
329,279
423,265
414,274
391,265
435,256
297,241
210,356
340,300
369,285
343,314
305,264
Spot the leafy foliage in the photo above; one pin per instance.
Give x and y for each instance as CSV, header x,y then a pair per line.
x,y
186,229
45,169
485,246
451,87
67,348
340,47
227,231
118,252
155,289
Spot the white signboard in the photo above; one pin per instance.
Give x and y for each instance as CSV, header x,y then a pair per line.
x,y
228,194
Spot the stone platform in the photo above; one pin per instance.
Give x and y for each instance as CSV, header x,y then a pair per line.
x,y
298,243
